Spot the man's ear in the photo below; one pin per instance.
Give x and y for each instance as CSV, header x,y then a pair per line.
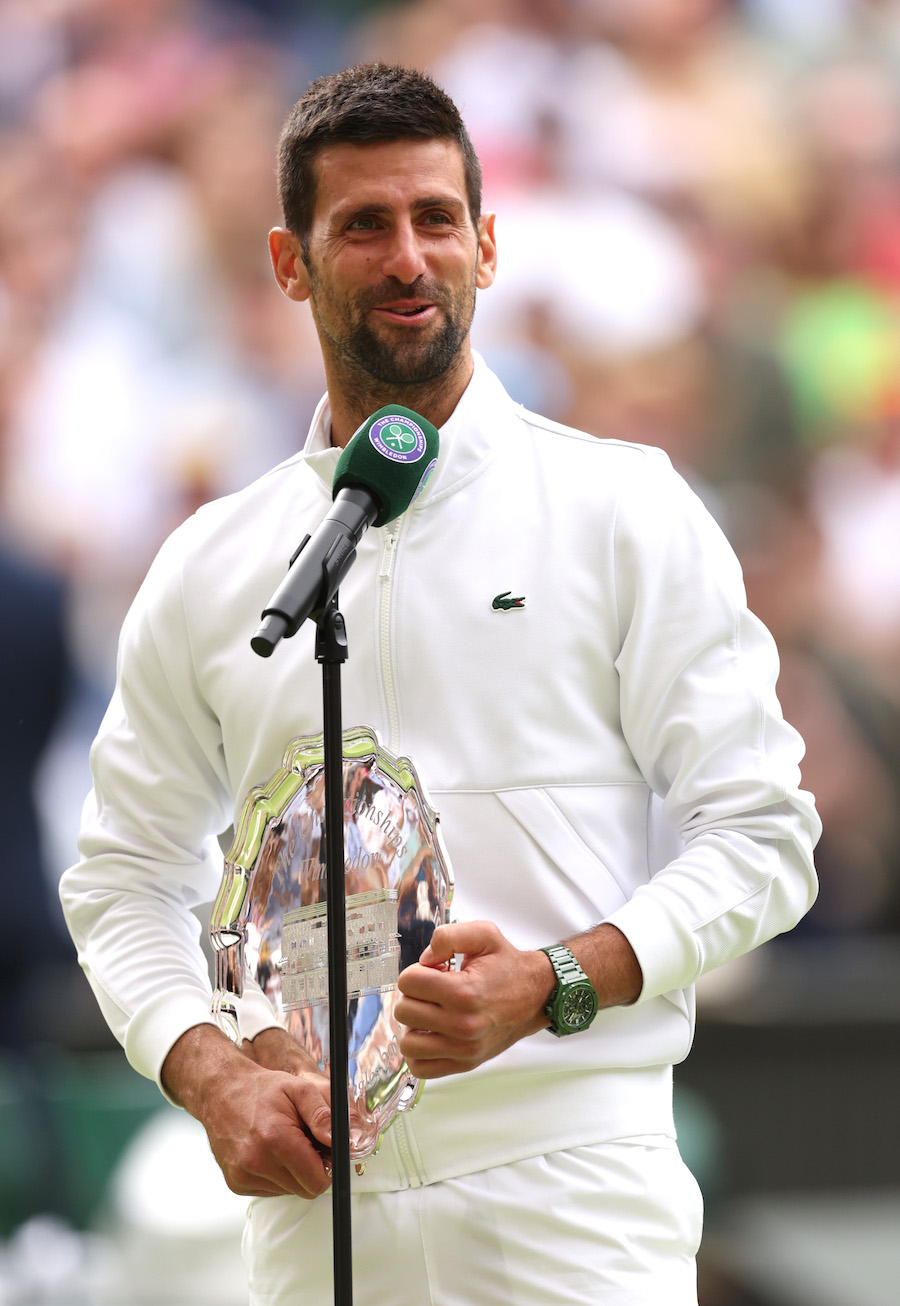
x,y
487,252
287,263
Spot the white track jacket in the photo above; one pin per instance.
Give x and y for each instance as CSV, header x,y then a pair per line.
x,y
611,750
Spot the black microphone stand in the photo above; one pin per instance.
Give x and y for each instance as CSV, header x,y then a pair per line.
x,y
331,653
280,620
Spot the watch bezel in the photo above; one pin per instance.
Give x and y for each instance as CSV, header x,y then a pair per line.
x,y
574,993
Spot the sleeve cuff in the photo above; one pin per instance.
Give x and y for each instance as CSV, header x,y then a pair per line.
x,y
156,1028
255,1012
667,952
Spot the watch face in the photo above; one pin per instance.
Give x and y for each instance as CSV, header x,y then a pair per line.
x,y
579,1006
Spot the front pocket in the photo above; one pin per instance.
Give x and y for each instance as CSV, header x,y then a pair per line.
x,y
537,814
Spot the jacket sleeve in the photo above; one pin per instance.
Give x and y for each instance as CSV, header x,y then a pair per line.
x,y
701,717
149,855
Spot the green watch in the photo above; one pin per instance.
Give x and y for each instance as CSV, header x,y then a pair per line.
x,y
573,1003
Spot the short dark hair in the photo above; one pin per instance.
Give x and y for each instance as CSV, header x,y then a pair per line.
x,y
363,105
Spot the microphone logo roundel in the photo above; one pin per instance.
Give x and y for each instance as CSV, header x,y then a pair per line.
x,y
398,438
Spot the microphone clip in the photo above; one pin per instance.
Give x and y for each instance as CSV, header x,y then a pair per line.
x,y
280,620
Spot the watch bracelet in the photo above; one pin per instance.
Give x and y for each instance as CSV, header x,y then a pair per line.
x,y
566,966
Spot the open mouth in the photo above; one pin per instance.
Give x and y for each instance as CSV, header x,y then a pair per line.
x,y
405,310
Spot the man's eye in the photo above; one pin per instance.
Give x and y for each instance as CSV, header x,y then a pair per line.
x,y
438,219
362,224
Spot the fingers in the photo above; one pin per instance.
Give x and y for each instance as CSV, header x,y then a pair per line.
x,y
276,1138
446,1035
312,1098
282,1163
465,937
438,1068
443,1001
279,1166
430,1055
299,1160
424,984
265,1108
294,1153
457,1019
433,1017
274,1049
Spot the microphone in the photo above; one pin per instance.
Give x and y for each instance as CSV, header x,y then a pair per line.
x,y
380,472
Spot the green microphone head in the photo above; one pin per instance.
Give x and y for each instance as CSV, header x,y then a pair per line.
x,y
392,455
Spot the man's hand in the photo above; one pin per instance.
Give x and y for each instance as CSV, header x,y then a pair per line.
x,y
457,1019
265,1108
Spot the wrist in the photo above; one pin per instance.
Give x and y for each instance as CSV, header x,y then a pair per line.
x,y
610,961
198,1063
275,1049
543,982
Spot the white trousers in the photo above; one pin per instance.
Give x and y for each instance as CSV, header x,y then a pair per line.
x,y
617,1223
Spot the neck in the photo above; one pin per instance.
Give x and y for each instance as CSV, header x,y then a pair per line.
x,y
354,396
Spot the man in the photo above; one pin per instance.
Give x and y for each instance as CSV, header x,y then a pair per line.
x,y
608,757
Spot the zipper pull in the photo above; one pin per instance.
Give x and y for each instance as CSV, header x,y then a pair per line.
x,y
387,557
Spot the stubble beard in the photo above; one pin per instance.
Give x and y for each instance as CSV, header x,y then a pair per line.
x,y
419,360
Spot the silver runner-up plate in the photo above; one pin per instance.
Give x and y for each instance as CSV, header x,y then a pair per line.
x,y
269,921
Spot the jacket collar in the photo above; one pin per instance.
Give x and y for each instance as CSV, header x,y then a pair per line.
x,y
468,438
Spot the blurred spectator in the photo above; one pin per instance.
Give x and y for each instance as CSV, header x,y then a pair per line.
x,y
856,498
506,70
839,336
802,24
34,672
675,98
614,279
805,29
850,726
841,322
714,395
420,32
167,372
32,47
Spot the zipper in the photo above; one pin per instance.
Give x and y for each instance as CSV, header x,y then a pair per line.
x,y
412,1171
401,1138
387,670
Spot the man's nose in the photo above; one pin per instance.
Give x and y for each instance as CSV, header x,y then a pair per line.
x,y
404,258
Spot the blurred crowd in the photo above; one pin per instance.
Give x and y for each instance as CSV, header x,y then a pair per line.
x,y
699,237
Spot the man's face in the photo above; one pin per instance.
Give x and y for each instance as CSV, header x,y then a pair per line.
x,y
393,258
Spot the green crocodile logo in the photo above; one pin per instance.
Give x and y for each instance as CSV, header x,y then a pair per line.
x,y
503,603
